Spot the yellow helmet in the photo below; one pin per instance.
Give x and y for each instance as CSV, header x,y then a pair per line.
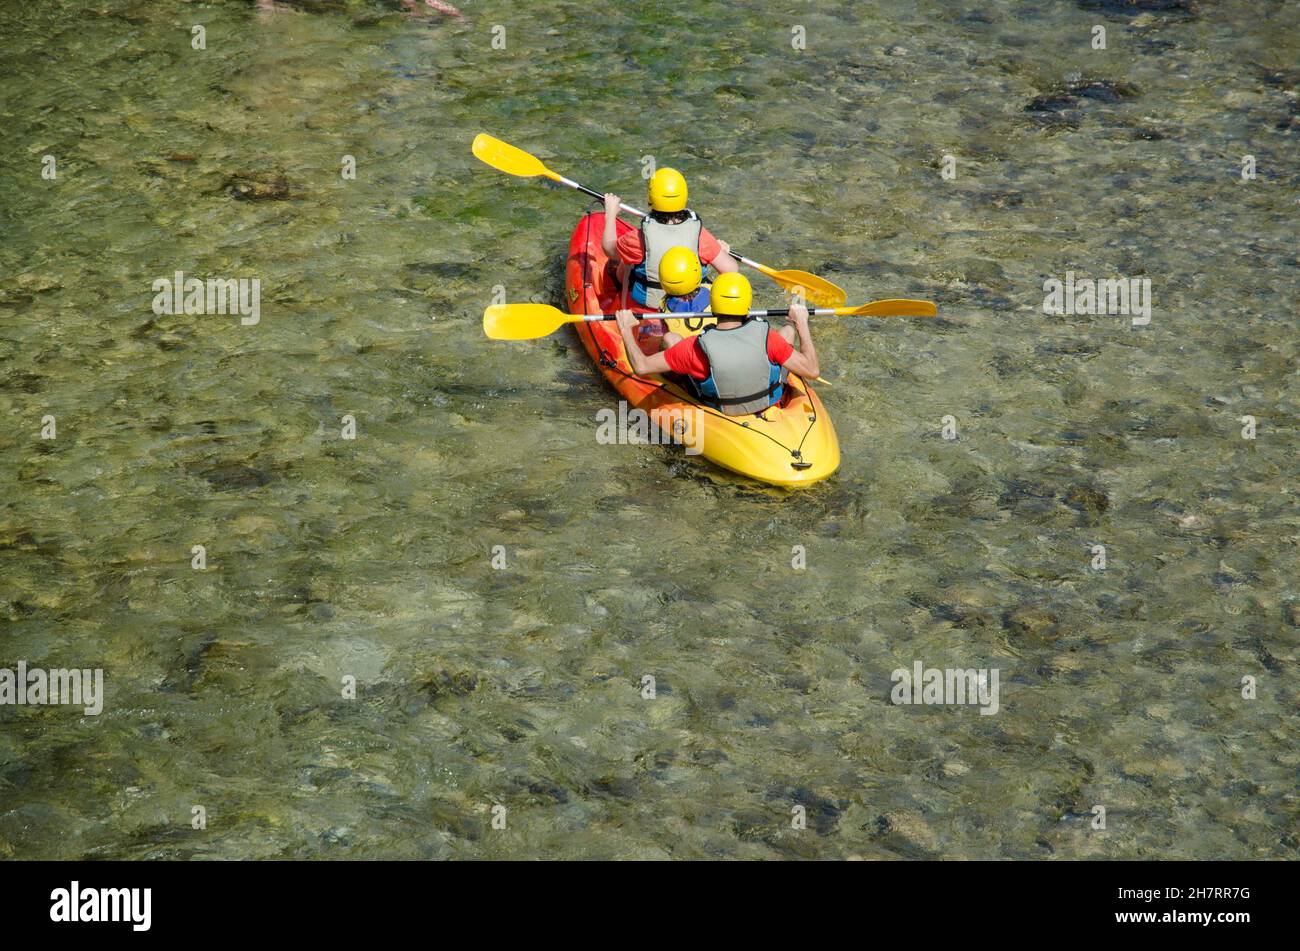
x,y
667,190
731,295
679,271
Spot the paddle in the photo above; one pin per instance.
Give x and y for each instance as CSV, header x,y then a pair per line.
x,y
531,321
505,157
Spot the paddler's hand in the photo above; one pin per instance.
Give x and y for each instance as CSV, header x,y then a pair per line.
x,y
642,365
612,202
626,320
804,360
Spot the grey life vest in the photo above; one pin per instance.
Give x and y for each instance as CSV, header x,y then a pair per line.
x,y
741,378
656,239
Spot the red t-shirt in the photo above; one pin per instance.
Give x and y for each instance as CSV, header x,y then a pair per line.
x,y
631,252
687,356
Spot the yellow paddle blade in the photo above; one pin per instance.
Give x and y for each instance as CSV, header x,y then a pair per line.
x,y
523,321
815,290
895,307
506,158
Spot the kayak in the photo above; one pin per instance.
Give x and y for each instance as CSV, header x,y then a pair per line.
x,y
790,444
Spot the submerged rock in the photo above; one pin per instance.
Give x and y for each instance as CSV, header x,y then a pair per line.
x,y
1181,8
37,283
231,476
1059,107
444,270
448,683
258,187
1104,90
1051,103
906,833
1031,624
1087,499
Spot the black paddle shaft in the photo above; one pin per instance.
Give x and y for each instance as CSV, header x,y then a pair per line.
x,y
669,315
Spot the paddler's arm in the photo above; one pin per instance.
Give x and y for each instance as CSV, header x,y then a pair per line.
x,y
641,364
609,238
724,262
624,284
804,360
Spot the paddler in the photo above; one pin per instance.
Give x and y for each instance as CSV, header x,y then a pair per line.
x,y
670,224
738,366
680,276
